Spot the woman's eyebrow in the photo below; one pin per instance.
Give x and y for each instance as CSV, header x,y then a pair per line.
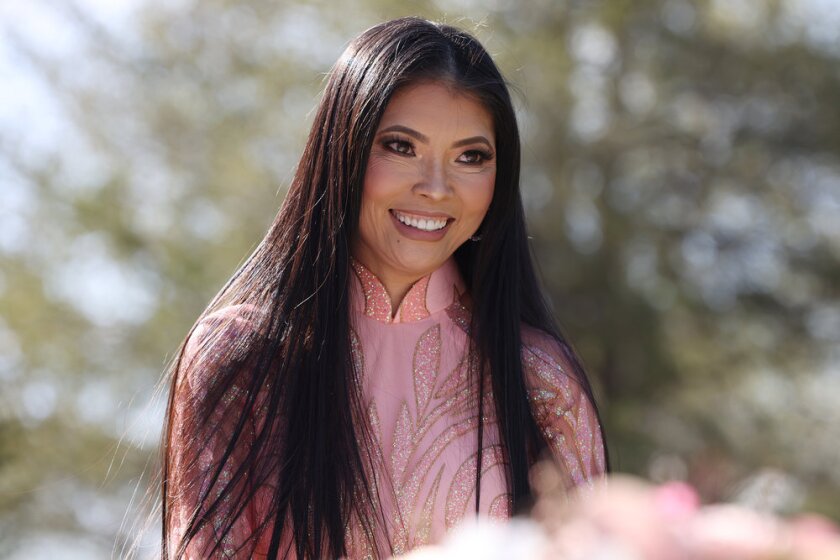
x,y
405,130
472,140
425,139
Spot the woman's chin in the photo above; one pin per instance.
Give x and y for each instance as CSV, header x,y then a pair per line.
x,y
420,265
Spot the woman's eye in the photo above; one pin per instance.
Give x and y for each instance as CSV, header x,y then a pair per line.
x,y
474,157
399,146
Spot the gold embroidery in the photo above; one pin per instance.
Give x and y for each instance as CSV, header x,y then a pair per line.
x,y
424,527
426,477
413,306
403,444
559,407
458,313
409,436
408,492
358,358
377,300
425,365
463,483
501,507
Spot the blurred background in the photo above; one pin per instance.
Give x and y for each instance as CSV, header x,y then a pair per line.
x,y
681,176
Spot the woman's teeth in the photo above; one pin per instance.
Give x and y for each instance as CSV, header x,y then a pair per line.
x,y
426,224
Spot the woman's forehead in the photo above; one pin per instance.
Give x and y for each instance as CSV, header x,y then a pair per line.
x,y
440,107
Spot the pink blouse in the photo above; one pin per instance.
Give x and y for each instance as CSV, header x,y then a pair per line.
x,y
414,375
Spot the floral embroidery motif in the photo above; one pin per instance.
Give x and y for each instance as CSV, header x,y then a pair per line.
x,y
426,364
423,460
463,483
560,407
424,528
420,456
413,457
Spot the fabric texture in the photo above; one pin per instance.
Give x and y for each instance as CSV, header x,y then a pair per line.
x,y
413,366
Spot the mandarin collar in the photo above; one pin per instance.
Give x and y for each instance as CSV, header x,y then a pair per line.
x,y
430,294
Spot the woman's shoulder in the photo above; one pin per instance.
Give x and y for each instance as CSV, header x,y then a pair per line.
x,y
231,316
546,360
551,370
219,339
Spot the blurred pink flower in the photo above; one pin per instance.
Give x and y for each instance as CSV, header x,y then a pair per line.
x,y
625,518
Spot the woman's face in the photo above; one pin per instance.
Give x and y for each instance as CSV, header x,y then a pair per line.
x,y
428,183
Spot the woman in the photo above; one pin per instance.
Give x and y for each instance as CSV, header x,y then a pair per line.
x,y
327,401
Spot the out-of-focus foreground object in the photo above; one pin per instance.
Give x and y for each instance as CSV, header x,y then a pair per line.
x,y
623,518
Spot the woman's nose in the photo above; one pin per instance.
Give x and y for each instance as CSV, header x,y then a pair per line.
x,y
434,183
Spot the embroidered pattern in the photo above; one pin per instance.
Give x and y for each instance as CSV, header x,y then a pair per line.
x,y
417,449
378,303
413,306
423,461
463,483
561,408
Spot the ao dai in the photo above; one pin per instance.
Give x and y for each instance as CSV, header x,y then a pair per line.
x,y
414,370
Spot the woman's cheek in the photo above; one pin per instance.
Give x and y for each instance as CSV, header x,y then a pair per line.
x,y
385,178
481,192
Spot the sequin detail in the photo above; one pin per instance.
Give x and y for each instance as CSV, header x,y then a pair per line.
x,y
358,356
377,301
463,483
378,305
413,306
417,383
403,443
501,507
421,443
565,416
458,313
425,365
408,492
424,526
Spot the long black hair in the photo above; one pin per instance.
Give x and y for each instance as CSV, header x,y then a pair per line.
x,y
292,364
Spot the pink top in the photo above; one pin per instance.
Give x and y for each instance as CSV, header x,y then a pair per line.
x,y
414,375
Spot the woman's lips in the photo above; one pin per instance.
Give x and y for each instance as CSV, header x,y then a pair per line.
x,y
420,221
421,227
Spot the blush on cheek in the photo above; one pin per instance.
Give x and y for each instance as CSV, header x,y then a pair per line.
x,y
383,179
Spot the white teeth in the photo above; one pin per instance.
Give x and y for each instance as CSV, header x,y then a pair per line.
x,y
426,224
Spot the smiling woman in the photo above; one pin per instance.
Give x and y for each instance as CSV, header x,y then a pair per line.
x,y
376,371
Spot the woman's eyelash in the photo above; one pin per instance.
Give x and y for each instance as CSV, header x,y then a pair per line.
x,y
390,142
483,156
404,146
